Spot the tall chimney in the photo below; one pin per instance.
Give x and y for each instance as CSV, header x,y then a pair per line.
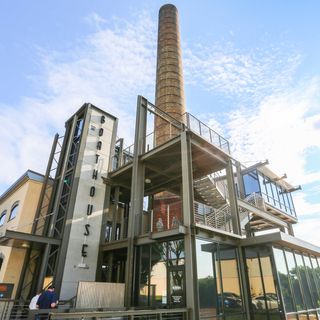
x,y
169,81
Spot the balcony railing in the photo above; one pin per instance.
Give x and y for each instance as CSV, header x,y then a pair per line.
x,y
195,125
173,314
173,128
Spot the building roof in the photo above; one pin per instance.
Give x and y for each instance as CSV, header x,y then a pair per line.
x,y
283,240
273,176
28,175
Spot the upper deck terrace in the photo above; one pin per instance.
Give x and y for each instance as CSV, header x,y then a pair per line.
x,y
189,123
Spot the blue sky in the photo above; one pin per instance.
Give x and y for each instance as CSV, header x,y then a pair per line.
x,y
252,71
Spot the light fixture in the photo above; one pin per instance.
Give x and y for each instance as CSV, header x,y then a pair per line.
x,y
25,245
147,180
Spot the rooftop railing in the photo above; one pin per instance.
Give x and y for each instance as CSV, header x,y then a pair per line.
x,y
174,127
195,125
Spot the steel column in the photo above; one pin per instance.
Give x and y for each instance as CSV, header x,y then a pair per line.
x,y
233,199
46,253
137,193
188,220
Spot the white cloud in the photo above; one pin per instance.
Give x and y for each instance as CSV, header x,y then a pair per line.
x,y
308,230
282,129
274,117
240,74
95,20
108,68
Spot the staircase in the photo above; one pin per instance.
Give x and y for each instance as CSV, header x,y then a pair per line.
x,y
217,211
212,193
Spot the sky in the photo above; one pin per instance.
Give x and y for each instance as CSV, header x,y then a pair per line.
x,y
251,71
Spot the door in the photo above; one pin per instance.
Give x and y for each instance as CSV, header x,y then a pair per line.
x,y
176,286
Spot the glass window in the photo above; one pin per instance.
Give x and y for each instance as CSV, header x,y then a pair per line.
x,y
262,184
312,281
14,211
176,252
207,282
275,194
284,280
160,280
3,217
251,183
108,231
231,293
144,273
281,197
304,280
264,297
269,191
258,304
293,212
316,274
294,280
158,275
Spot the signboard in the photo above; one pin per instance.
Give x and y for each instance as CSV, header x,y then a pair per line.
x,y
6,290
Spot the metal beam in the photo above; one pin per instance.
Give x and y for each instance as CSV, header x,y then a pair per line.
x,y
261,213
137,193
45,257
192,298
10,234
160,148
233,199
255,166
211,154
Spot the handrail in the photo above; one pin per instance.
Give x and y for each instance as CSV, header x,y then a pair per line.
x,y
181,313
205,131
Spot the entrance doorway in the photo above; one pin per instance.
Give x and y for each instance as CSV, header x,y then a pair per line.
x,y
176,286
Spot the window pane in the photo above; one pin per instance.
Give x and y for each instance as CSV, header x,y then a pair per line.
x,y
261,183
304,281
175,252
316,275
258,303
312,281
251,183
275,194
294,280
284,280
14,211
207,285
3,217
144,276
230,281
269,191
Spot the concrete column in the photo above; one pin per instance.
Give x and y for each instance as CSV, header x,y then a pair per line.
x,y
169,79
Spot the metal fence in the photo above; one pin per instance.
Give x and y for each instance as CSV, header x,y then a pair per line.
x,y
16,310
173,314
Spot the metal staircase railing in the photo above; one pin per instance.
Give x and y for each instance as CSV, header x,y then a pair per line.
x,y
221,218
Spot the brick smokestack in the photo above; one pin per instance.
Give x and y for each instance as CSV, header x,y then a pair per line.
x,y
169,82
169,98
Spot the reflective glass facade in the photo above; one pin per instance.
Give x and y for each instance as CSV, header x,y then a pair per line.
x,y
160,275
299,278
264,297
272,192
220,293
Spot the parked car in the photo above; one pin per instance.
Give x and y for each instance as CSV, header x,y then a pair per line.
x,y
230,300
258,302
